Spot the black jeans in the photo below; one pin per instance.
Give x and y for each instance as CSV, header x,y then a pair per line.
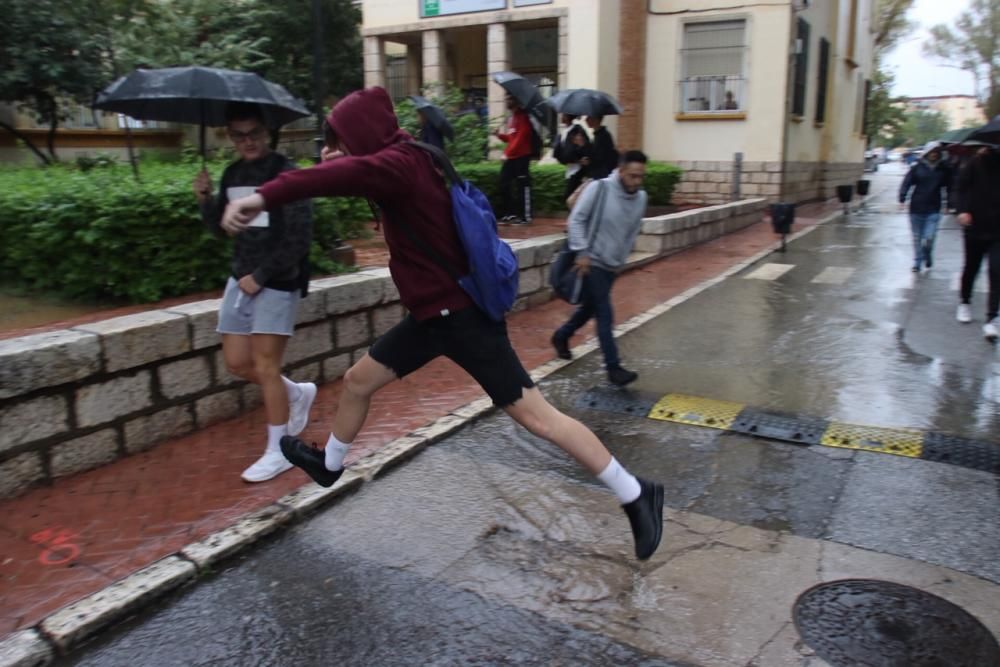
x,y
975,250
596,302
516,172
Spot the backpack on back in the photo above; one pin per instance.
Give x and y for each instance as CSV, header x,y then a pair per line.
x,y
537,145
493,272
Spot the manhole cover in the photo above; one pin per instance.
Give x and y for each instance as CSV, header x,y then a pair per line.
x,y
881,624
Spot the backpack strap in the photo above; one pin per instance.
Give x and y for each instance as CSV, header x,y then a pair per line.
x,y
440,158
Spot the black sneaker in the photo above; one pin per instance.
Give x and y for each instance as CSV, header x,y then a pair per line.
x,y
310,459
645,515
621,377
562,347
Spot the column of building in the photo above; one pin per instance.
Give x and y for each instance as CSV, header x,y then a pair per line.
x,y
497,60
631,72
433,59
374,62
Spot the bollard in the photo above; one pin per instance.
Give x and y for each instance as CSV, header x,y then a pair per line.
x,y
845,193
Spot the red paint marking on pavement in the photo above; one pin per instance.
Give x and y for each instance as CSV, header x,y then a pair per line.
x,y
59,549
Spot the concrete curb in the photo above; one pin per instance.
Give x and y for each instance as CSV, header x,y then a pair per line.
x,y
67,628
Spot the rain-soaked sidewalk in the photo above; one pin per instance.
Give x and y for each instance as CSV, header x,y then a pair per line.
x,y
63,542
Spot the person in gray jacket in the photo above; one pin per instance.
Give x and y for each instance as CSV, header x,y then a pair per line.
x,y
602,229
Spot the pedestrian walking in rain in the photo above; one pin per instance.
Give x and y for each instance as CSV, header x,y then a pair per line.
x,y
428,133
979,214
604,156
515,172
572,144
927,179
602,229
379,162
269,273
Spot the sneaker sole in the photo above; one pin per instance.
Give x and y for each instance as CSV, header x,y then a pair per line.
x,y
265,479
658,503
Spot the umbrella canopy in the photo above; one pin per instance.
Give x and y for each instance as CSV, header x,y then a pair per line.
x,y
434,114
584,102
987,134
197,95
955,136
522,90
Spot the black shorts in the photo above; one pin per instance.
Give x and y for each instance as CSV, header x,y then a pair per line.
x,y
470,339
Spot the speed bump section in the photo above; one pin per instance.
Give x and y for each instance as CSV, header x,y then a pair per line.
x,y
696,411
898,441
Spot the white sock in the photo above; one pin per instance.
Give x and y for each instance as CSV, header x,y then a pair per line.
x,y
619,480
294,391
274,434
335,453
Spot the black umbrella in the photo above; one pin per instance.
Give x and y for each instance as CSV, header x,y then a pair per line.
x,y
197,95
987,134
434,114
525,92
584,102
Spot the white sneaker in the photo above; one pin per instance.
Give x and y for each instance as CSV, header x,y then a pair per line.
x,y
267,467
990,330
964,314
298,411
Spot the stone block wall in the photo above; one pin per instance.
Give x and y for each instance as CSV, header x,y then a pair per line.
x,y
711,182
79,398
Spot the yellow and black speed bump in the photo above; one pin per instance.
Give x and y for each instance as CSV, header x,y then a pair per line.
x,y
802,429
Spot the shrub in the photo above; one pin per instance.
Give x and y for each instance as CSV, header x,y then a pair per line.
x,y
549,183
100,235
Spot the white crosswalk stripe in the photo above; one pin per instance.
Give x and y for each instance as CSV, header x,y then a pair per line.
x,y
834,275
769,271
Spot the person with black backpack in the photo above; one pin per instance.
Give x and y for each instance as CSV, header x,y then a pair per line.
x,y
522,142
571,147
270,271
604,156
374,158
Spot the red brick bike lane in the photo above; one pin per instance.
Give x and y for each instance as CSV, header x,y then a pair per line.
x,y
65,541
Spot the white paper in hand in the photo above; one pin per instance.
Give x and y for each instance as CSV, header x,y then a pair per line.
x,y
238,192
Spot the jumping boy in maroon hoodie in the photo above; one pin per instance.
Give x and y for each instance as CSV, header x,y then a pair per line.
x,y
373,158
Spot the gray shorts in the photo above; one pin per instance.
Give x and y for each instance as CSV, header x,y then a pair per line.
x,y
269,311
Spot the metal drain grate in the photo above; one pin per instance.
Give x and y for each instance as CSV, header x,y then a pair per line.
x,y
616,399
962,452
868,622
779,426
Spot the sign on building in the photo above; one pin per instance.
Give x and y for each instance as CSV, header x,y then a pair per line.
x,y
430,8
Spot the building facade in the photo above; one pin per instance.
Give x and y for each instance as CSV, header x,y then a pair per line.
x,y
959,110
772,92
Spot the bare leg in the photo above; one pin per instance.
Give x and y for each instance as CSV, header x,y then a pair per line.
x,y
361,382
237,354
267,350
537,415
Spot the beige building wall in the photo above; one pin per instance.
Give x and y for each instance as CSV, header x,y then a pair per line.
x,y
959,110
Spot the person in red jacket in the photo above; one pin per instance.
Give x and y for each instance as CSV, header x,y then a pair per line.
x,y
516,164
370,156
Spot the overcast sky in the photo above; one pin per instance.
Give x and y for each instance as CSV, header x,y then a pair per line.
x,y
917,75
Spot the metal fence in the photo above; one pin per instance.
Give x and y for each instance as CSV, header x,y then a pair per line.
x,y
713,94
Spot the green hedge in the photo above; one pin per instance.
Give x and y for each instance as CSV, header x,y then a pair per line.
x,y
99,235
549,183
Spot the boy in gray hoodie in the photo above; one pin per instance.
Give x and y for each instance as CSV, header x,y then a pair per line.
x,y
602,229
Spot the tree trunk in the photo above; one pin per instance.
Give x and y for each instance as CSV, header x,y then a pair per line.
x,y
27,142
53,124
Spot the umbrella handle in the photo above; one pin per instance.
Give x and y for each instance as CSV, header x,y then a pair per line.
x,y
201,135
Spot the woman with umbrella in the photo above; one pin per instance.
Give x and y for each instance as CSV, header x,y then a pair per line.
x,y
434,125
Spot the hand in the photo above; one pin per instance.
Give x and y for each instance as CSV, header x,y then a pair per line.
x,y
240,212
202,186
585,161
965,219
249,285
582,265
328,153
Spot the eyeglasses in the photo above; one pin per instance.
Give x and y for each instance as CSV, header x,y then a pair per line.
x,y
255,134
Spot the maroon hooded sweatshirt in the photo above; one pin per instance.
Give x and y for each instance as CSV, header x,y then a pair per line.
x,y
404,183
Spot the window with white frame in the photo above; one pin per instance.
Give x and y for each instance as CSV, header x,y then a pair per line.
x,y
713,62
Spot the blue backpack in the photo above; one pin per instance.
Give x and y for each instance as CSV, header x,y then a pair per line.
x,y
493,271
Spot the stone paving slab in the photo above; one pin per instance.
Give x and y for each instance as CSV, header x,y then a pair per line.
x,y
73,539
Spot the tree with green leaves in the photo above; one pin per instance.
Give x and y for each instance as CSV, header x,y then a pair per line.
x,y
920,127
973,45
49,56
288,27
886,113
891,24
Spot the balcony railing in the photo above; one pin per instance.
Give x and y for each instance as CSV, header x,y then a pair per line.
x,y
713,94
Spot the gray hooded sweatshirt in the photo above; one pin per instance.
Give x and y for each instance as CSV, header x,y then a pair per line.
x,y
618,222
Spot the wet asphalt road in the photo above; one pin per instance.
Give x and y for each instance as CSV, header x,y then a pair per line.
x,y
491,548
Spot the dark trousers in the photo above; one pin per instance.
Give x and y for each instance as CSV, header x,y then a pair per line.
x,y
975,251
596,303
515,174
573,182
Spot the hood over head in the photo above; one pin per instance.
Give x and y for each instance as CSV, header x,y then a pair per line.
x,y
365,122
